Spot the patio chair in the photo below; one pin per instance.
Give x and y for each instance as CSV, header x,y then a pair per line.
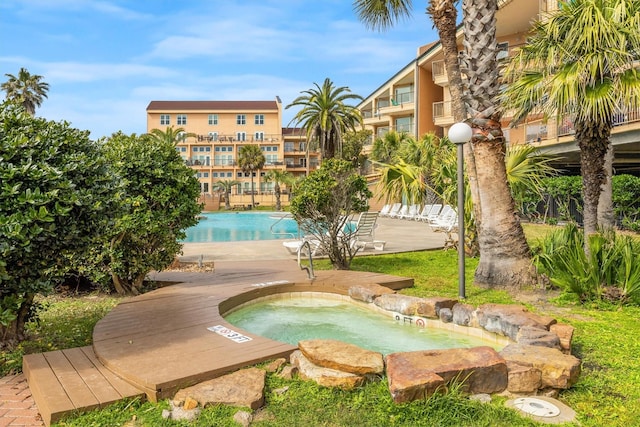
x,y
411,213
393,210
429,211
364,234
298,247
385,210
445,222
404,210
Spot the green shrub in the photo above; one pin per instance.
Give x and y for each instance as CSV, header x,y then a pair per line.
x,y
605,271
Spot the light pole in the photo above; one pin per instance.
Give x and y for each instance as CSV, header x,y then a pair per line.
x,y
460,134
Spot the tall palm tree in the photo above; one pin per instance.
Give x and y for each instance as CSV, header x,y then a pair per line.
x,y
582,62
504,261
278,176
251,159
225,186
325,115
26,89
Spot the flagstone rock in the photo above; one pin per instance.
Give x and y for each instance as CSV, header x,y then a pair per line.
x,y
508,319
342,356
530,335
369,292
419,374
403,304
431,306
565,334
558,370
326,377
523,379
446,315
240,388
463,314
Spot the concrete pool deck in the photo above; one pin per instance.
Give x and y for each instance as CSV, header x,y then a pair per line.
x,y
400,236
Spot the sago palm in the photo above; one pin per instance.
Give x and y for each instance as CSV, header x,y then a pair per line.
x,y
581,62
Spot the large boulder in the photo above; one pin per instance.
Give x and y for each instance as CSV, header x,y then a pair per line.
x,y
557,370
463,314
414,306
326,377
478,369
342,356
565,334
368,293
530,335
240,388
508,319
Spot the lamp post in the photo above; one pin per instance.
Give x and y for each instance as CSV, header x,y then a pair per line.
x,y
460,134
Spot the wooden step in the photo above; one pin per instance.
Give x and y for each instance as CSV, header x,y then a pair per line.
x,y
70,381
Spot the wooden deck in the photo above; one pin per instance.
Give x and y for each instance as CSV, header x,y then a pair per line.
x,y
159,342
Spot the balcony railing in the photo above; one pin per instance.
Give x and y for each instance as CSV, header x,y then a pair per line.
x,y
438,70
234,138
441,109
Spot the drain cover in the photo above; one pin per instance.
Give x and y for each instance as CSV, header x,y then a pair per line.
x,y
536,407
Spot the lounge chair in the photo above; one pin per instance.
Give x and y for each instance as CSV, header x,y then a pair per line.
x,y
385,210
430,211
298,247
404,210
364,234
445,222
411,213
395,208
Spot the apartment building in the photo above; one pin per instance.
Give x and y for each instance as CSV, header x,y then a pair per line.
x,y
214,132
417,99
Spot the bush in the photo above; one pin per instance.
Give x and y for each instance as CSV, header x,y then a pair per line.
x,y
607,270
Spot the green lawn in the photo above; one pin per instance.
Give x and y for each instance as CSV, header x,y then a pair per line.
x,y
607,394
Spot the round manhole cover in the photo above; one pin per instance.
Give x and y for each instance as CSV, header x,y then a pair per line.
x,y
536,407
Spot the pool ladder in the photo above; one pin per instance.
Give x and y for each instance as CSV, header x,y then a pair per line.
x,y
308,268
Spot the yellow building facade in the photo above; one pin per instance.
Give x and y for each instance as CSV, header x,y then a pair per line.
x,y
214,132
417,99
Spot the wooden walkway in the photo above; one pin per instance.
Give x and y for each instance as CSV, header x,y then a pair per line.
x,y
162,341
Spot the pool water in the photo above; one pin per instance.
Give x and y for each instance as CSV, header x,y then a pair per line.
x,y
291,320
241,226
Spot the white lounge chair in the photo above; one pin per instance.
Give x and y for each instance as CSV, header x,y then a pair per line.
x,y
364,234
385,210
404,210
445,222
444,213
395,208
411,213
297,247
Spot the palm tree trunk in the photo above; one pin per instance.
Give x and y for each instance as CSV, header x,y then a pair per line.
x,y
505,258
593,140
606,218
444,16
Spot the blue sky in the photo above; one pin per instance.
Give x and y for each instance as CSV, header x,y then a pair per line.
x,y
106,60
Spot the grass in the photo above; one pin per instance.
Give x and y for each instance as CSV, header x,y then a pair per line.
x,y
608,392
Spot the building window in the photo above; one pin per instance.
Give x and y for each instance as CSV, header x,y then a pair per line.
x,y
241,119
241,136
165,119
503,50
213,119
240,174
259,136
259,119
181,119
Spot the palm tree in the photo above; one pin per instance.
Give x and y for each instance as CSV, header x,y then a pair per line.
x,y
251,159
171,134
225,186
325,116
385,148
26,89
581,62
505,261
278,176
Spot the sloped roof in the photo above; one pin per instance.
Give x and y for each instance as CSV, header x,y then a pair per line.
x,y
211,105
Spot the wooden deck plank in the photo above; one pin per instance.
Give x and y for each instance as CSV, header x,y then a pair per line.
x,y
124,389
73,385
50,397
101,389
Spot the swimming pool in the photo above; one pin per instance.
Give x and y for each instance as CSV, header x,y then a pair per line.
x,y
241,226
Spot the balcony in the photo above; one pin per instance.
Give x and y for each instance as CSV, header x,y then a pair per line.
x,y
234,138
442,114
439,73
